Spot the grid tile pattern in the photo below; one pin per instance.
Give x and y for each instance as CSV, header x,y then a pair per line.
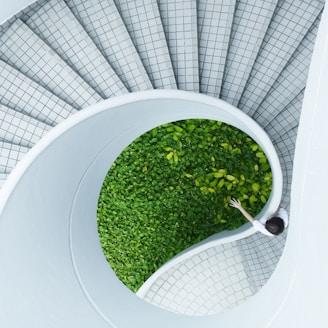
x,y
286,142
286,119
260,254
24,50
290,82
144,25
180,26
214,26
10,155
26,12
20,129
250,23
287,162
58,27
103,23
219,278
24,95
207,283
285,146
290,23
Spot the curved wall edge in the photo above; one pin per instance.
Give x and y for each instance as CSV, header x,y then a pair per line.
x,y
57,244
218,239
298,288
305,254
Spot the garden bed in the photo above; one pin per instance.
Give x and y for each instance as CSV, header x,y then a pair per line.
x,y
171,188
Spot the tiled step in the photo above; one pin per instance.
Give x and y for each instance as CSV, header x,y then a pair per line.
x,y
58,27
20,129
144,25
24,95
287,168
207,283
24,50
260,254
285,142
290,82
291,21
214,26
218,278
250,23
10,155
287,162
180,26
103,23
287,119
285,146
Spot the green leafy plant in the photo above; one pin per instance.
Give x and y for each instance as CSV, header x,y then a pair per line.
x,y
171,188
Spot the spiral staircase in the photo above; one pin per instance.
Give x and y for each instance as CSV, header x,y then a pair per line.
x,y
59,57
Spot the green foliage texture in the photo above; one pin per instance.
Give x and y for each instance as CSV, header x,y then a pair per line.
x,y
171,188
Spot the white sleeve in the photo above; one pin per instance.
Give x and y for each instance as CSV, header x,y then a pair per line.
x,y
261,228
282,213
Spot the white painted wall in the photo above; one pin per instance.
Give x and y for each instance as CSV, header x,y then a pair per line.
x,y
55,295
10,8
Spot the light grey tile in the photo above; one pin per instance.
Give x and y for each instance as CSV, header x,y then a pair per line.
x,y
290,82
24,95
246,37
10,155
20,129
287,119
144,25
58,27
103,23
44,66
214,26
274,55
180,26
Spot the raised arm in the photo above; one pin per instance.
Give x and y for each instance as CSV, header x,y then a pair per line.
x,y
237,204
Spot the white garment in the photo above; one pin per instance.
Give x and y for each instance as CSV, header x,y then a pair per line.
x,y
260,226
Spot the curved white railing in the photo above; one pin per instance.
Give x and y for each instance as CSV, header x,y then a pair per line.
x,y
46,280
57,186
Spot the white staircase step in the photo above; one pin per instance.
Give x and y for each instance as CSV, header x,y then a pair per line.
x,y
19,128
250,23
143,22
285,142
214,26
260,254
207,283
10,155
285,146
290,82
287,162
24,95
58,27
23,49
179,19
103,23
291,21
287,119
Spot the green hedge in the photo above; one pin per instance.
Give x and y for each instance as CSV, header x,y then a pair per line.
x,y
171,189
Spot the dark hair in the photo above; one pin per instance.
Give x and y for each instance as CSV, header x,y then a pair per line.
x,y
275,225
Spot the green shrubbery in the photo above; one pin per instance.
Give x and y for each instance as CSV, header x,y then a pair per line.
x,y
171,189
